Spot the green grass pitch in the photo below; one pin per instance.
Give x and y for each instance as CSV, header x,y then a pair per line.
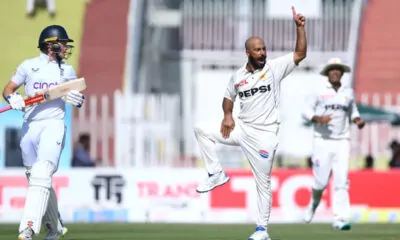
x,y
152,231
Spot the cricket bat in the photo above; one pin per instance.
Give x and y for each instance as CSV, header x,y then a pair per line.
x,y
53,92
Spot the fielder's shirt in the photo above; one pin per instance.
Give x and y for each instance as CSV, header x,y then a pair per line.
x,y
324,100
40,73
259,92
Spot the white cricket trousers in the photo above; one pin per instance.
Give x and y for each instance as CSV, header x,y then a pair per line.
x,y
41,145
259,148
42,140
332,156
51,5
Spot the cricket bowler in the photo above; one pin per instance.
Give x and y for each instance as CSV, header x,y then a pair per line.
x,y
257,84
43,129
332,107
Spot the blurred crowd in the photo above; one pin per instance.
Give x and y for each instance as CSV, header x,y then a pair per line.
x,y
369,160
81,154
395,159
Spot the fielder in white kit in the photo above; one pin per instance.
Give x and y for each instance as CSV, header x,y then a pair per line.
x,y
332,107
43,130
257,84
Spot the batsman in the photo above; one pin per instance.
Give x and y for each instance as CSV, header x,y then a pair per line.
x,y
43,129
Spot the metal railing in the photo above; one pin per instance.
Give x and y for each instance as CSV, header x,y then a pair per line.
x,y
146,130
224,25
132,129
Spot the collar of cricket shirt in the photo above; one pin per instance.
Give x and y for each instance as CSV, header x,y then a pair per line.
x,y
45,58
245,71
329,86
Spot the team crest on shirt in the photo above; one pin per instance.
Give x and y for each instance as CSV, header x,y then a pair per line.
x,y
263,153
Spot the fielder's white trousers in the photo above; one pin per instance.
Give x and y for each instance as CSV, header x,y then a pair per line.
x,y
332,156
51,5
259,148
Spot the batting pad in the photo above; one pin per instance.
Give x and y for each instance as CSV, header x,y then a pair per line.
x,y
50,218
60,225
38,196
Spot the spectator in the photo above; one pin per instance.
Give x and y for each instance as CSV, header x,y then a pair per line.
x,y
50,4
395,160
81,154
279,160
369,162
13,154
309,162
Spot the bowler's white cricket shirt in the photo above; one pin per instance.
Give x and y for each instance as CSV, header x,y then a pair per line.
x,y
41,73
341,105
259,92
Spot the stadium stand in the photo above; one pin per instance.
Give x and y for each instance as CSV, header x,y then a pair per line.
x,y
378,61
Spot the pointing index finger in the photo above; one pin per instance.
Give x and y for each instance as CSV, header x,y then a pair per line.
x,y
294,11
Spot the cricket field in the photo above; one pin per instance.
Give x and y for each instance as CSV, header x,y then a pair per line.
x,y
152,231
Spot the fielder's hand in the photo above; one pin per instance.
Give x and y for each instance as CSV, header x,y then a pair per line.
x,y
227,125
298,18
16,101
325,119
360,123
322,119
75,98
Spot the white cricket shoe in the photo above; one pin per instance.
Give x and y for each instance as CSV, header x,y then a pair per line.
x,y
341,225
260,234
215,180
26,234
309,213
63,232
56,235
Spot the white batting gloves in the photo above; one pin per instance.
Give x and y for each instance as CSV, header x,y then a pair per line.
x,y
75,98
16,101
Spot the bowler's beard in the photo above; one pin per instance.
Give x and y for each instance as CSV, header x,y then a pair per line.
x,y
254,62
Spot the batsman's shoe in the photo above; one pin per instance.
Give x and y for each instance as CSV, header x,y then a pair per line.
x,y
55,235
213,181
309,213
341,225
260,234
63,232
52,236
26,234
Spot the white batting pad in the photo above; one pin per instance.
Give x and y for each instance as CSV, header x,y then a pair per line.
x,y
50,218
35,207
37,196
60,224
